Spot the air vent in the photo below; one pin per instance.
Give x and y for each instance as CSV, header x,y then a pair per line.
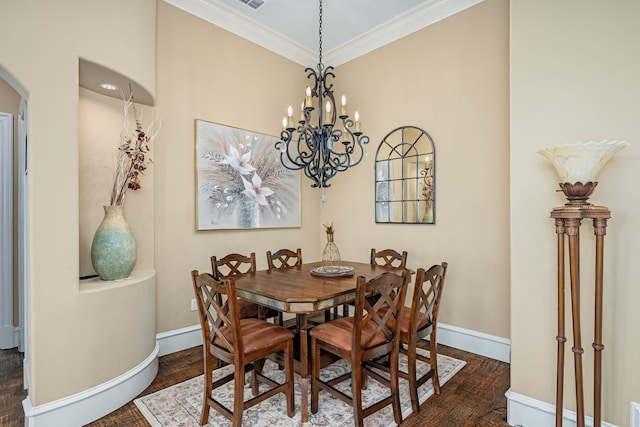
x,y
253,3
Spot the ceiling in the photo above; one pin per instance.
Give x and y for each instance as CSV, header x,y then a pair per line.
x,y
350,28
92,75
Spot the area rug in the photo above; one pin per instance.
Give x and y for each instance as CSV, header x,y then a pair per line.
x,y
179,405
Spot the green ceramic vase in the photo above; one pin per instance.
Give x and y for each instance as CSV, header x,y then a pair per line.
x,y
113,251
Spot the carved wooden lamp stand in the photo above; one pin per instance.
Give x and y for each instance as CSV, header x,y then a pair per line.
x,y
577,164
568,220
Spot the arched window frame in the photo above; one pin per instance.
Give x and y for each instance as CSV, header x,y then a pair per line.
x,y
405,177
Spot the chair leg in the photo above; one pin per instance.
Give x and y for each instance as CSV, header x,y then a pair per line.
x,y
433,358
280,319
315,374
345,310
257,369
356,392
395,388
238,396
365,379
208,385
288,357
413,386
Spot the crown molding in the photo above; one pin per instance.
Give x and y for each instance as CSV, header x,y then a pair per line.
x,y
411,21
247,28
401,26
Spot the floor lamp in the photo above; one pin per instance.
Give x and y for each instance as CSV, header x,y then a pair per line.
x,y
578,165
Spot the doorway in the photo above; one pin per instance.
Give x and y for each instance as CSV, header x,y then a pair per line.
x,y
7,301
14,278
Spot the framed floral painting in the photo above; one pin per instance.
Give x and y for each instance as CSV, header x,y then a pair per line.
x,y
241,182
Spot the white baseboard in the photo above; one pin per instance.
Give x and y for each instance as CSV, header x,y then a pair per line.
x,y
7,340
89,405
179,339
635,414
475,342
10,337
25,374
528,412
17,338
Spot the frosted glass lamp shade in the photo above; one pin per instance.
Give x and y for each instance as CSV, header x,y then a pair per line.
x,y
582,161
578,166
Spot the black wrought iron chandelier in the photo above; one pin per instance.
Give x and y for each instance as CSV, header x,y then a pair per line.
x,y
324,141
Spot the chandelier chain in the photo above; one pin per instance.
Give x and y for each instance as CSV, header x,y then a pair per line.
x,y
320,35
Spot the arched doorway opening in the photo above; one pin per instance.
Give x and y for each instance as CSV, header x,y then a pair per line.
x,y
14,261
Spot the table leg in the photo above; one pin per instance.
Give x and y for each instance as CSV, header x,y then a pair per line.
x,y
304,366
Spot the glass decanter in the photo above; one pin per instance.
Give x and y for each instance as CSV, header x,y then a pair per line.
x,y
330,254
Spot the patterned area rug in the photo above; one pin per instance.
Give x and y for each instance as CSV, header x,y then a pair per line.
x,y
179,405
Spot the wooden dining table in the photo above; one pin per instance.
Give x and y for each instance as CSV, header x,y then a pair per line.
x,y
298,291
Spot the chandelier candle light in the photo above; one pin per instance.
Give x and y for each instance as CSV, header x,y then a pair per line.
x,y
332,145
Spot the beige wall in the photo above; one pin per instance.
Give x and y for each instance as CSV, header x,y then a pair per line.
x,y
574,77
9,98
207,73
450,79
67,338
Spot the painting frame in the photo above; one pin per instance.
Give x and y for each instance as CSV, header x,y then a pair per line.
x,y
240,181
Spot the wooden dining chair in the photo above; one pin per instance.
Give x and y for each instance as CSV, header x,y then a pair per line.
x,y
244,343
420,322
359,339
284,259
234,265
388,258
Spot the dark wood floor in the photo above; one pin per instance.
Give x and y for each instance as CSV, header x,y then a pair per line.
x,y
473,397
11,391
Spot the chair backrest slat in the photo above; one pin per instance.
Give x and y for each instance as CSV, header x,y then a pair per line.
x,y
427,295
389,258
382,315
284,259
215,316
233,265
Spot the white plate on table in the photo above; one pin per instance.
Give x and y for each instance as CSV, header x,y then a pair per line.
x,y
341,271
